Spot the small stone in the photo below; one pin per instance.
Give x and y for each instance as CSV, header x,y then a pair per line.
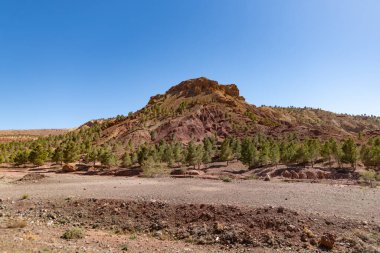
x,y
327,241
291,228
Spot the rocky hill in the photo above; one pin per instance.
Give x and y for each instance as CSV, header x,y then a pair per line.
x,y
197,108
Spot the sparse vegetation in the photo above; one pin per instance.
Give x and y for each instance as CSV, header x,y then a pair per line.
x,y
25,196
124,247
370,177
226,179
72,234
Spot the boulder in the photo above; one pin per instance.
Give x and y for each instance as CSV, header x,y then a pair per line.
x,y
320,175
294,175
68,168
311,175
194,172
327,241
286,174
302,175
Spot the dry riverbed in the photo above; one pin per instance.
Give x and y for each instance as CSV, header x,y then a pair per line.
x,y
116,214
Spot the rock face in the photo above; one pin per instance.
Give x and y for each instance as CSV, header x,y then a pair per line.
x,y
202,85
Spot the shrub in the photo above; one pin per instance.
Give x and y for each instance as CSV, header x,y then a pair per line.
x,y
124,247
151,168
16,223
226,179
370,177
25,196
74,233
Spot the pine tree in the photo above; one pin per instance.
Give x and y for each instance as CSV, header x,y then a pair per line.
x,y
178,153
226,153
21,158
336,152
199,152
350,153
107,158
93,155
274,154
206,159
127,161
191,154
38,155
58,155
236,148
264,154
168,155
143,154
249,153
326,151
313,150
70,153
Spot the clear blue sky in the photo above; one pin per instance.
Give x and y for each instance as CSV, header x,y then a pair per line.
x,y
64,62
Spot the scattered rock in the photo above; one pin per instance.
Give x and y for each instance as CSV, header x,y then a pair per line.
x,y
32,177
327,241
267,178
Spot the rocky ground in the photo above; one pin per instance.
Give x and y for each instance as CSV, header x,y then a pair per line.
x,y
116,214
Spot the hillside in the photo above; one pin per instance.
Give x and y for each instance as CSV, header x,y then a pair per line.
x,y
199,108
17,135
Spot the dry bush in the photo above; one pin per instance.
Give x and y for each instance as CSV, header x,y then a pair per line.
x,y
16,223
370,177
150,168
74,233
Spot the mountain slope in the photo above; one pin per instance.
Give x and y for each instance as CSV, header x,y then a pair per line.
x,y
197,108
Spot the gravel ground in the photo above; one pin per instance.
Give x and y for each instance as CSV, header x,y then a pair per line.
x,y
352,202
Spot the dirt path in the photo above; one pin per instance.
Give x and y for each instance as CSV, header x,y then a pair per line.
x,y
331,200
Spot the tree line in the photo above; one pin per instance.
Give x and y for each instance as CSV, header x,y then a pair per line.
x,y
259,150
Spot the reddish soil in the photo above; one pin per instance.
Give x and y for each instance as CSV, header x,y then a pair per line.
x,y
228,226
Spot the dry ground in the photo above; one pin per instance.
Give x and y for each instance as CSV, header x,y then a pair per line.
x,y
323,207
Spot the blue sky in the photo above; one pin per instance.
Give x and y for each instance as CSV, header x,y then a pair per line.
x,y
65,62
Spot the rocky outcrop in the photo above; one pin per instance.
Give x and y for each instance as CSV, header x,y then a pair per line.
x,y
202,85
